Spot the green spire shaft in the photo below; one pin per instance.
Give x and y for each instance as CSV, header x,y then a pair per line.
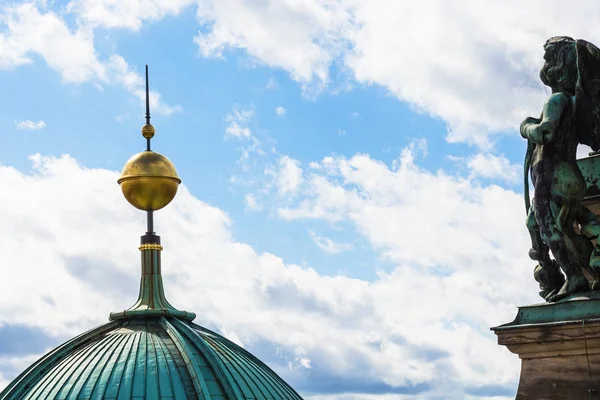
x,y
151,301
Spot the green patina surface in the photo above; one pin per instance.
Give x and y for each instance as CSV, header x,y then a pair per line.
x,y
568,262
149,358
590,169
578,307
151,300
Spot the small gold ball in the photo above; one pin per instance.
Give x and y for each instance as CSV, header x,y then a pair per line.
x,y
148,131
149,181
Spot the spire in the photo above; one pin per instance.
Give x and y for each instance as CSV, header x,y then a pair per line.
x,y
147,130
149,182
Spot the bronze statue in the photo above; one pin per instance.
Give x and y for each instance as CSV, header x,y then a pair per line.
x,y
570,116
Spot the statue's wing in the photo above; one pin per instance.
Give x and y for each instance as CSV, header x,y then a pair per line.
x,y
587,94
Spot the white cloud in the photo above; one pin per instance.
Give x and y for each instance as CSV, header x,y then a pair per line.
x,y
479,78
407,327
15,364
453,242
302,38
231,335
287,175
301,359
30,125
271,84
415,149
252,203
280,110
237,124
238,128
341,132
122,117
459,243
494,167
69,52
128,14
370,194
328,245
475,68
455,158
12,53
234,129
133,81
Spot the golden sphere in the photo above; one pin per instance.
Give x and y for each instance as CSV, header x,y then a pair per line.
x,y
148,131
149,181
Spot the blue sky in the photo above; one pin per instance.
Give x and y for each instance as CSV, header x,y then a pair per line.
x,y
352,203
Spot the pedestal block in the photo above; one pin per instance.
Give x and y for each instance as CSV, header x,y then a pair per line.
x,y
559,347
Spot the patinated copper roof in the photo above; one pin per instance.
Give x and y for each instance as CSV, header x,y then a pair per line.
x,y
149,358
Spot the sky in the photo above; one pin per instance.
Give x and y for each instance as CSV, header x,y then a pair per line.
x,y
351,209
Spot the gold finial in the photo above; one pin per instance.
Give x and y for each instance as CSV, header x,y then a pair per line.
x,y
148,131
149,180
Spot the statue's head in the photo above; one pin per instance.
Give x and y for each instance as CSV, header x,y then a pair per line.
x,y
560,68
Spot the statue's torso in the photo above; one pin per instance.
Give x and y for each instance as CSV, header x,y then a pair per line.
x,y
556,160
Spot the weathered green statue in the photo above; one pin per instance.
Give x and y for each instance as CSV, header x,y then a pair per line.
x,y
556,219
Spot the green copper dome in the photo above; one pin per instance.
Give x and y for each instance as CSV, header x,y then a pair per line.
x,y
149,358
151,350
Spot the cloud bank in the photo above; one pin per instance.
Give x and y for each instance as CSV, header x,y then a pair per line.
x,y
420,329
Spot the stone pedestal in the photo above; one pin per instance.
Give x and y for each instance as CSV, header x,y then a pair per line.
x,y
559,347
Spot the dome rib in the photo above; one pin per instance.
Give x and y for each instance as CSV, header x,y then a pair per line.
x,y
238,359
113,385
63,373
39,368
274,384
214,362
164,374
55,381
232,365
125,385
139,367
118,370
87,377
181,383
192,367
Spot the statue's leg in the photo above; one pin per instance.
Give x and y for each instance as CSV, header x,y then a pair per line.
x,y
546,273
590,230
582,246
550,217
539,251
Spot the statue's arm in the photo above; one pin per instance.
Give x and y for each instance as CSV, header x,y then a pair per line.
x,y
544,131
